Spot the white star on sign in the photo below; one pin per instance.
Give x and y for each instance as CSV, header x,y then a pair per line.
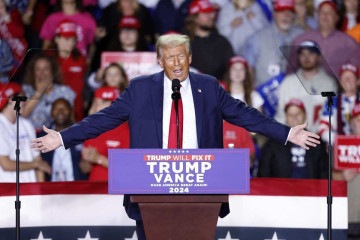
x,y
228,237
321,237
170,151
41,237
134,237
275,237
88,237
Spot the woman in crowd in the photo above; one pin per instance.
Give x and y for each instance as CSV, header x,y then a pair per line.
x,y
343,104
71,10
128,38
128,8
112,76
349,14
43,85
350,18
72,63
239,83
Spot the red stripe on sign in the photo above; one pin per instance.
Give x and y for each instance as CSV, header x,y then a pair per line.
x,y
258,186
293,187
79,187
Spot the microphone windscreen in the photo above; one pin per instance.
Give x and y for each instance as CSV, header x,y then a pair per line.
x,y
175,85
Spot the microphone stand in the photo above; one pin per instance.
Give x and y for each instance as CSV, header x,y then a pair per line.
x,y
330,103
176,96
18,100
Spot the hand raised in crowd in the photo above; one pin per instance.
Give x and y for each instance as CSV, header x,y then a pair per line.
x,y
47,143
41,85
236,22
90,154
303,138
250,15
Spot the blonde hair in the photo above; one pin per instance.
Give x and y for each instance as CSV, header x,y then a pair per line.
x,y
172,40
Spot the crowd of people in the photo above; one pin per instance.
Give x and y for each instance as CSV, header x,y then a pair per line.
x,y
275,56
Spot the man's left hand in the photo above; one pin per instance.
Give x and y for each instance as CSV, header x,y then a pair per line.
x,y
303,138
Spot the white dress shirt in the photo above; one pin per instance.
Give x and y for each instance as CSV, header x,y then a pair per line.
x,y
62,168
189,122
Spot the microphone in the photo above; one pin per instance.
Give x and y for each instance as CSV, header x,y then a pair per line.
x,y
175,86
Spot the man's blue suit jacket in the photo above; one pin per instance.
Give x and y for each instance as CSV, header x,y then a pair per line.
x,y
142,105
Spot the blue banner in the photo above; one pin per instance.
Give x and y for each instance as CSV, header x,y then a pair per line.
x,y
268,92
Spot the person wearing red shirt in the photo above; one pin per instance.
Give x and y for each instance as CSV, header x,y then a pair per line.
x,y
95,151
12,30
238,137
72,63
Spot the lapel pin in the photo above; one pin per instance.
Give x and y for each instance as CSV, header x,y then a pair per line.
x,y
199,90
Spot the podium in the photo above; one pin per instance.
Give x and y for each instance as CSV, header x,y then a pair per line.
x,y
179,217
180,193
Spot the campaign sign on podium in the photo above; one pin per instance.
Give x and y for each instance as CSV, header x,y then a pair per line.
x,y
183,171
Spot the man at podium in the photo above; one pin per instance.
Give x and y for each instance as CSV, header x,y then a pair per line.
x,y
147,104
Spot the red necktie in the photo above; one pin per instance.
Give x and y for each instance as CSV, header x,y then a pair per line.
x,y
172,143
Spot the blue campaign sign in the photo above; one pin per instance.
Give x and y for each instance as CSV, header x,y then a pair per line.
x,y
183,171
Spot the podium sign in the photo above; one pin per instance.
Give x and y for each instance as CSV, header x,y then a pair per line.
x,y
347,152
183,171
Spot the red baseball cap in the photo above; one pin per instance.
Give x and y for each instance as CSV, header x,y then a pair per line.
x,y
328,2
66,28
7,91
282,5
350,67
203,6
356,110
129,22
107,93
295,102
238,59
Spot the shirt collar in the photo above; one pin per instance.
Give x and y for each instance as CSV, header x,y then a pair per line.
x,y
184,84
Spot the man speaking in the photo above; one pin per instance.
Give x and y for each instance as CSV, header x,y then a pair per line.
x,y
148,106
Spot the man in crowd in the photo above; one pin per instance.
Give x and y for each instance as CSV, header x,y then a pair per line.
x,y
147,104
336,46
306,84
291,161
262,49
31,166
211,51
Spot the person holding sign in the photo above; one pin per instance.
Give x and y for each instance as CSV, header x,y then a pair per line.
x,y
291,161
344,102
352,177
147,104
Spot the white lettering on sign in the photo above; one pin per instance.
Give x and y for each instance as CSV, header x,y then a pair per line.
x,y
179,172
349,153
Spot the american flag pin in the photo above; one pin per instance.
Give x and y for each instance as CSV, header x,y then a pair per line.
x,y
199,90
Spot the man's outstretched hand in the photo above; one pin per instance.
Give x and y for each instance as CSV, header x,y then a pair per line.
x,y
47,143
303,138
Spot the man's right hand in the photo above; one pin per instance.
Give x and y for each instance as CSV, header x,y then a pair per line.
x,y
47,143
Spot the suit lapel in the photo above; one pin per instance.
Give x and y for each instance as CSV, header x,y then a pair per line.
x,y
198,104
157,95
